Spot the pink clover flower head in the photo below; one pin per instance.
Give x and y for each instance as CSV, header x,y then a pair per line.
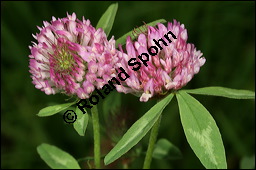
x,y
171,67
71,57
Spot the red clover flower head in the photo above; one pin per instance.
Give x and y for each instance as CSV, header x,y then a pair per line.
x,y
71,57
172,66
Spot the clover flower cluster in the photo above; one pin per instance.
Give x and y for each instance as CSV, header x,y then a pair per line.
x,y
172,67
74,58
71,57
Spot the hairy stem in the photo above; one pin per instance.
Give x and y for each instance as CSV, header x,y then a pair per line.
x,y
96,136
152,141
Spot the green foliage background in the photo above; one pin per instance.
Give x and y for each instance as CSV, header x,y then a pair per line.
x,y
223,31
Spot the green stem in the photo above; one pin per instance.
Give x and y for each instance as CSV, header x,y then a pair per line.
x,y
96,136
152,141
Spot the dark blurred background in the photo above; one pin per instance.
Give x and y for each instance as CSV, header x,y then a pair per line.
x,y
223,31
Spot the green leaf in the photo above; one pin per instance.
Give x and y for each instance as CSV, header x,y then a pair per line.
x,y
81,123
166,150
201,132
224,92
57,158
51,110
107,19
138,130
122,40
